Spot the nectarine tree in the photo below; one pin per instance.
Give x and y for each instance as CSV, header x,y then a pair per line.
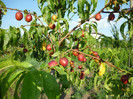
x,y
49,59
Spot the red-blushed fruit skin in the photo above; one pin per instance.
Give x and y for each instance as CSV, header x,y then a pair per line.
x,y
18,16
96,60
111,16
72,66
82,73
28,18
81,77
22,45
95,53
85,60
49,47
114,1
25,50
83,34
72,62
117,8
81,57
99,63
51,53
124,79
71,70
75,53
54,17
63,62
51,26
98,16
52,63
80,67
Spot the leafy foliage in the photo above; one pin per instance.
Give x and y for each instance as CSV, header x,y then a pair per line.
x,y
24,57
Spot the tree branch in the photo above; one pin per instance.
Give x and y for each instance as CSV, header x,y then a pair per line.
x,y
33,15
82,23
24,12
108,63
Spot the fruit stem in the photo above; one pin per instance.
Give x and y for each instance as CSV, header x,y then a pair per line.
x,y
33,15
82,23
106,62
24,12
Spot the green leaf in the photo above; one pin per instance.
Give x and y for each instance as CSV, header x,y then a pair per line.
x,y
5,84
53,37
106,84
122,29
51,5
87,11
56,54
26,64
66,26
17,86
46,15
37,77
95,28
25,36
79,34
30,88
8,63
63,77
11,81
95,82
94,3
81,12
130,29
32,31
131,85
2,37
51,87
3,5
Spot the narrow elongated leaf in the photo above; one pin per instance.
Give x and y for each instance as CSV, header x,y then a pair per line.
x,y
4,85
17,86
95,82
81,9
56,54
122,29
106,84
95,28
132,85
51,5
87,11
8,63
46,15
39,31
12,79
2,37
94,3
53,37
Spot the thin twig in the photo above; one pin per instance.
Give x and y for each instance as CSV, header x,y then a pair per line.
x,y
110,12
82,23
33,15
24,12
108,63
30,25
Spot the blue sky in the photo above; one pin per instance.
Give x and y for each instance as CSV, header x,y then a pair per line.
x,y
31,5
